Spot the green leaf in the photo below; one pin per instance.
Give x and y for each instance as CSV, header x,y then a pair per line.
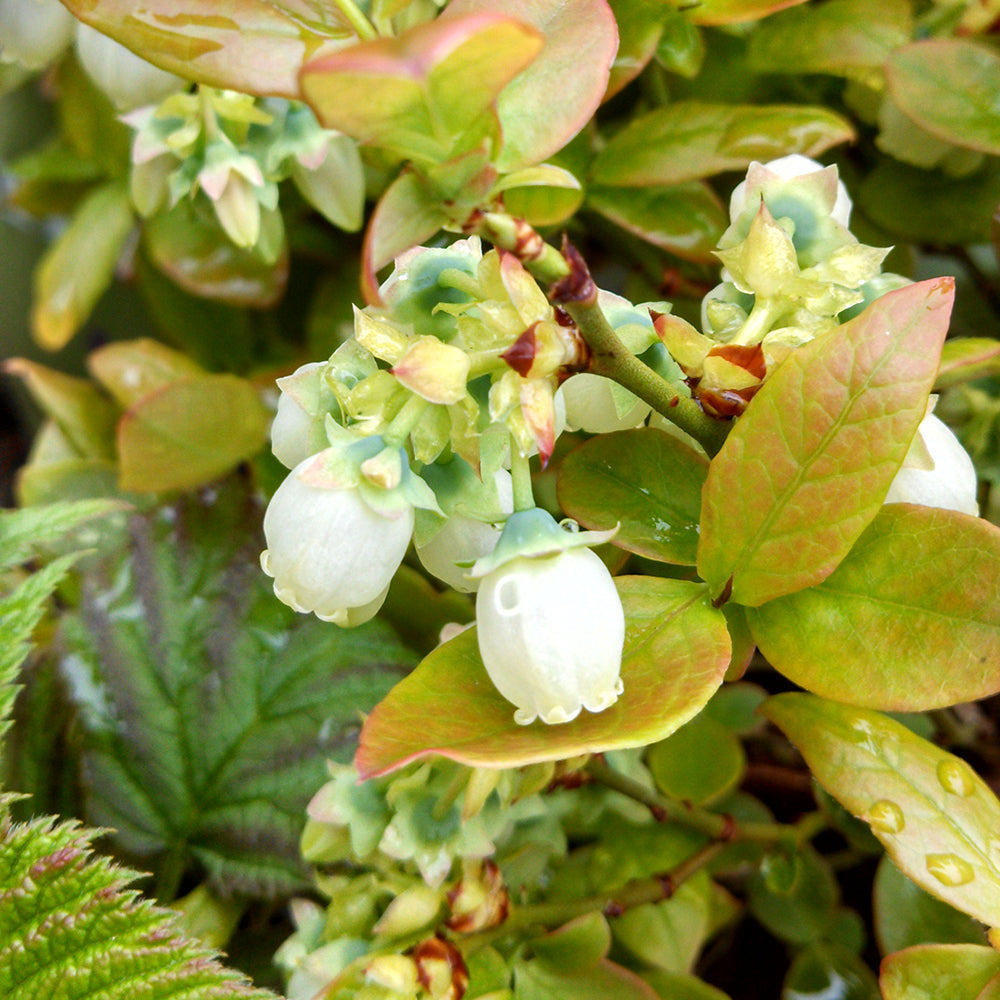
x,y
576,946
735,11
688,140
193,251
28,532
909,621
535,980
640,25
251,45
829,970
207,707
964,359
680,986
850,38
79,266
580,43
799,906
408,213
955,971
84,415
666,621
169,439
702,762
936,818
928,206
905,915
647,482
418,93
131,369
807,466
687,219
71,928
951,88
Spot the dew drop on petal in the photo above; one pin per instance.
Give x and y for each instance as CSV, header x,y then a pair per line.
x,y
886,817
949,869
956,777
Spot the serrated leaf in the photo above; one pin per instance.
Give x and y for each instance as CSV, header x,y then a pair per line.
x,y
449,706
79,265
647,482
581,39
24,533
951,88
207,707
735,11
688,140
936,818
807,467
909,621
250,45
71,928
966,358
955,971
169,438
419,92
850,38
904,915
687,219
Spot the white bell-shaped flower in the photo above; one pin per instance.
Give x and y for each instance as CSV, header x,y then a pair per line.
x,y
551,631
33,33
292,428
950,484
787,167
329,552
127,79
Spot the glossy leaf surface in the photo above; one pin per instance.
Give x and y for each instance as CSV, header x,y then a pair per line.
x,y
581,39
249,45
702,762
909,621
966,358
807,466
935,817
647,482
955,971
676,651
207,707
735,11
951,88
687,140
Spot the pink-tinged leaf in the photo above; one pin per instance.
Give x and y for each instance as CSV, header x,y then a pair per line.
x,y
937,819
419,92
189,432
676,652
952,971
547,104
909,621
685,219
966,358
407,214
734,11
249,45
951,88
806,468
688,140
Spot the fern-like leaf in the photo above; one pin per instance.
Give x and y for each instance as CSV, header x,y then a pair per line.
x,y
71,929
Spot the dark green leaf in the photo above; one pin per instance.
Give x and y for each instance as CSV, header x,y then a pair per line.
x,y
702,762
831,972
799,906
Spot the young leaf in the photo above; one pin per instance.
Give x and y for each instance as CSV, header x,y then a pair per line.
x,y
253,46
909,621
70,928
676,651
688,140
687,219
955,971
169,439
950,87
647,482
207,707
806,468
936,818
735,11
581,39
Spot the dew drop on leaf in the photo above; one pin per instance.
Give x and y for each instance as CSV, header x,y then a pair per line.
x,y
949,869
886,817
956,777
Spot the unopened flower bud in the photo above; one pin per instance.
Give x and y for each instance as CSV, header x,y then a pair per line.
x,y
441,969
785,168
412,910
395,972
434,370
480,899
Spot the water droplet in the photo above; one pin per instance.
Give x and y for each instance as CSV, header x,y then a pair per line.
x,y
956,777
886,817
949,869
